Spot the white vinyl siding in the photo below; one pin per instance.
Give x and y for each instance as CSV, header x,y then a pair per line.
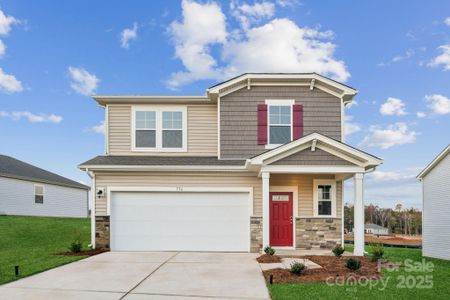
x,y
436,211
18,198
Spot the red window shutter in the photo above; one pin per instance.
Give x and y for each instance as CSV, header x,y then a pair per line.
x,y
262,124
297,125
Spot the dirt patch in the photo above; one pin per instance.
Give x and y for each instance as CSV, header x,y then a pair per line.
x,y
333,270
397,240
268,259
82,253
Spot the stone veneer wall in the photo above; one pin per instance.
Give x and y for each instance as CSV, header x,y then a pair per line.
x,y
102,232
318,232
256,234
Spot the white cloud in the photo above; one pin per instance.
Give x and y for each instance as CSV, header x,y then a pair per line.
x,y
447,21
392,135
350,127
9,83
351,104
248,14
2,49
32,118
442,59
6,23
281,44
393,107
421,114
203,25
288,3
127,35
438,104
100,129
390,175
83,82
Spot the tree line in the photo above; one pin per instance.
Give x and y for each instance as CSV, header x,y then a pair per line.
x,y
398,220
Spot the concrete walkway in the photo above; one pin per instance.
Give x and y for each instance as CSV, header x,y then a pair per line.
x,y
147,275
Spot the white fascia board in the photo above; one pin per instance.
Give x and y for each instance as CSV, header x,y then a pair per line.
x,y
161,168
331,169
104,99
435,161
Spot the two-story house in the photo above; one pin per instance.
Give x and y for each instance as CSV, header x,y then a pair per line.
x,y
259,160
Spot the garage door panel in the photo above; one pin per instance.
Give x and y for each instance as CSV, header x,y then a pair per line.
x,y
143,221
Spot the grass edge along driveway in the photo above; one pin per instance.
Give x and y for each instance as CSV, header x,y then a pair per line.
x,y
31,242
406,283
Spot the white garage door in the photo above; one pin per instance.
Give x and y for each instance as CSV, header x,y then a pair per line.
x,y
184,221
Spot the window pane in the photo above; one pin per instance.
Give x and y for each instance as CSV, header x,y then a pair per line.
x,y
285,119
280,134
146,138
172,139
324,192
285,110
177,115
324,208
273,109
38,190
140,115
39,199
145,119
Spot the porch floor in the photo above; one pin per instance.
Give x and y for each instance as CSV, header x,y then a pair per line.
x,y
306,252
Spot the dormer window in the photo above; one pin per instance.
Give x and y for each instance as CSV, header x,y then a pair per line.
x,y
159,128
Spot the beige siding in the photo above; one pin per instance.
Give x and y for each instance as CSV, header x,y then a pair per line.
x,y
218,179
305,191
159,179
201,127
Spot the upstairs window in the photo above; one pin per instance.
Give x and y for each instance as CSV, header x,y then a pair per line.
x,y
159,128
39,194
280,124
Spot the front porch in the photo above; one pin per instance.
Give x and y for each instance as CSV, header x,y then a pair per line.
x,y
302,192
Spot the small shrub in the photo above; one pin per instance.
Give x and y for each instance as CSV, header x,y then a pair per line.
x,y
297,268
338,251
76,245
353,264
269,250
376,251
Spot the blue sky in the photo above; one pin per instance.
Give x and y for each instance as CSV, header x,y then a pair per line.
x,y
54,54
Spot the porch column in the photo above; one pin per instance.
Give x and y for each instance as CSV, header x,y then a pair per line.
x,y
358,179
265,208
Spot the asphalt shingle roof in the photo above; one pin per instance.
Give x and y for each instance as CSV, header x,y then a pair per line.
x,y
161,161
14,168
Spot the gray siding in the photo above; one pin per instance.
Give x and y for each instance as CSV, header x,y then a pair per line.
x,y
238,116
17,198
436,211
308,157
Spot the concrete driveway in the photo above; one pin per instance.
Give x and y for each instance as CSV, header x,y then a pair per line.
x,y
147,275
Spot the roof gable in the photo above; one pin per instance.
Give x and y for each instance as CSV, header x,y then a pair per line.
x,y
317,157
312,80
434,163
316,141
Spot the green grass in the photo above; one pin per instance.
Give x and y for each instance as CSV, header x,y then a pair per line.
x,y
440,279
31,242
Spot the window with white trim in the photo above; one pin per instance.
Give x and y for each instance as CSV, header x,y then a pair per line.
x,y
39,194
324,198
279,123
159,128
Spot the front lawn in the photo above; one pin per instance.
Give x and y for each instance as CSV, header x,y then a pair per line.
x,y
402,284
31,242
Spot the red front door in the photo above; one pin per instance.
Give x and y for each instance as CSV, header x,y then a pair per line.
x,y
280,219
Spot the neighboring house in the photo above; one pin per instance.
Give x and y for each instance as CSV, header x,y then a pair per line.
x,y
436,206
376,229
259,160
30,191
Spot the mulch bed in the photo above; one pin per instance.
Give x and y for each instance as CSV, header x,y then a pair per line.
x,y
269,259
82,253
333,268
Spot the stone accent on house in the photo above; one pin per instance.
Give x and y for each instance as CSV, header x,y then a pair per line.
x,y
318,232
102,232
256,234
